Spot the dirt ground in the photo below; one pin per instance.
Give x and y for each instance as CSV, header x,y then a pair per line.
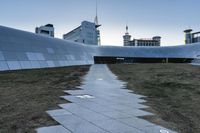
x,y
26,95
172,90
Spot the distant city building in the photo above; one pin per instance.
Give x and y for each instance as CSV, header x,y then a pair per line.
x,y
127,38
47,30
191,37
87,33
155,41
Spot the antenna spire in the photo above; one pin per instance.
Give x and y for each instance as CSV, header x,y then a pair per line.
x,y
127,29
96,17
96,21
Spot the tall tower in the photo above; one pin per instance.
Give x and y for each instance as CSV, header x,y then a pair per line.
x,y
127,38
96,21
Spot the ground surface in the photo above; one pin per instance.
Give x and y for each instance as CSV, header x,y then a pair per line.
x,y
26,95
101,106
173,92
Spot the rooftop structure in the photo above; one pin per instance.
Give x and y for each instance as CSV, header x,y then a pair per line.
x,y
127,38
191,37
47,30
155,41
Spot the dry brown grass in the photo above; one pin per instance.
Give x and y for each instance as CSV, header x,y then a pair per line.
x,y
26,95
173,92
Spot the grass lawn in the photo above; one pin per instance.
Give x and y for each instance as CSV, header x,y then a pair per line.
x,y
26,95
172,90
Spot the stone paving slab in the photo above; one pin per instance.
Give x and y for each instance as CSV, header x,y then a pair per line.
x,y
114,126
101,106
58,112
156,129
53,129
137,112
77,124
85,113
136,122
116,114
97,108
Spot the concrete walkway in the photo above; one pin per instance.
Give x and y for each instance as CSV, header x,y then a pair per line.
x,y
102,106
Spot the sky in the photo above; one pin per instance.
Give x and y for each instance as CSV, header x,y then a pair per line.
x,y
145,18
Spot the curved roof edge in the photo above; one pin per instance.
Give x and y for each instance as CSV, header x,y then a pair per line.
x,y
25,50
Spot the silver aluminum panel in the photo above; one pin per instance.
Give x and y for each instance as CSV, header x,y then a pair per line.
x,y
35,64
1,56
43,64
10,56
26,64
50,63
14,65
3,65
17,47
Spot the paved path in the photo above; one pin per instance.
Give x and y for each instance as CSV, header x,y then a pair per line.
x,y
101,106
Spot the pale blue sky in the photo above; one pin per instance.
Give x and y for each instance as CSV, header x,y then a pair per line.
x,y
146,18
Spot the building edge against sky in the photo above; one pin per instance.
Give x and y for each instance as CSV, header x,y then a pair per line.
x,y
155,41
87,33
191,37
28,51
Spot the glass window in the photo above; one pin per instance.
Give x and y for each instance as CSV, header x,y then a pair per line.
x,y
44,31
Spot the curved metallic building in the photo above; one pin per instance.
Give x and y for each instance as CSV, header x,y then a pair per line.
x,y
25,50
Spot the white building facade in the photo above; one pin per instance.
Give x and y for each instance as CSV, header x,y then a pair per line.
x,y
155,41
86,33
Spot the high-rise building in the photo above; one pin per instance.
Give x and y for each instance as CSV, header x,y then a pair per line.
x,y
47,30
155,41
86,33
